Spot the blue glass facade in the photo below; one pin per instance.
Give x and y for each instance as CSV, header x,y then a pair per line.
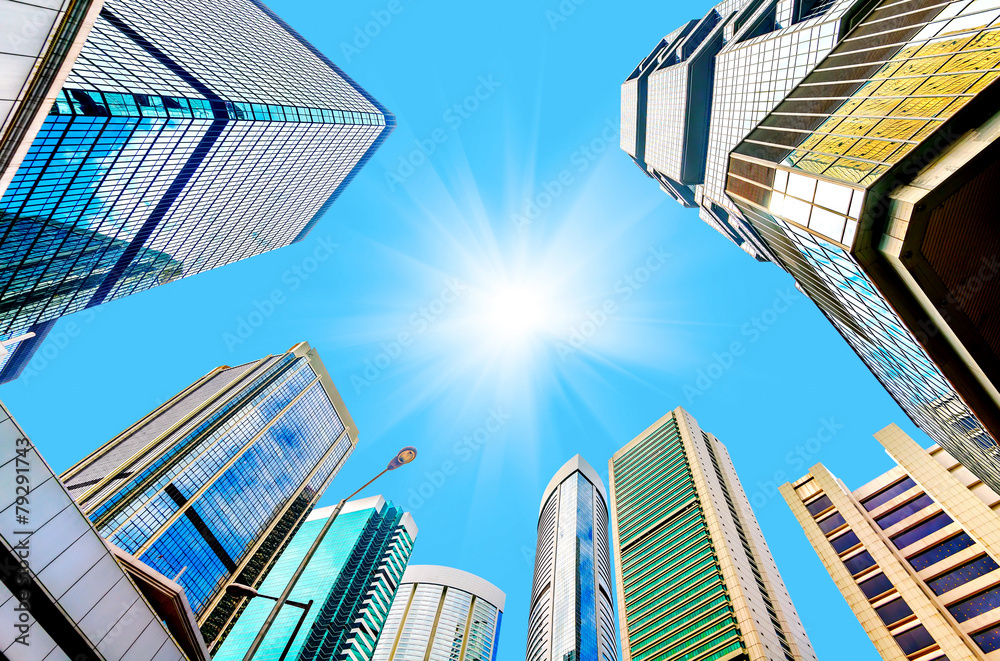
x,y
225,473
351,579
572,617
173,151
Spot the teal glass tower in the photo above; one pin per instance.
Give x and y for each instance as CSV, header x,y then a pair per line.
x,y
186,136
210,487
351,580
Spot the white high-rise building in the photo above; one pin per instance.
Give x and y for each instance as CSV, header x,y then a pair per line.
x,y
572,611
442,614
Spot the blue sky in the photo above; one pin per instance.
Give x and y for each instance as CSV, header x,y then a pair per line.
x,y
637,302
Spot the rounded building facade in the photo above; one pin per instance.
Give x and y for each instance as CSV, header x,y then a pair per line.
x,y
571,616
442,614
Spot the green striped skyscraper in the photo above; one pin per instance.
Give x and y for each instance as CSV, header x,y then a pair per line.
x,y
695,578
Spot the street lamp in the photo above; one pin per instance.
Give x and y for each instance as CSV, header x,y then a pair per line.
x,y
403,457
240,590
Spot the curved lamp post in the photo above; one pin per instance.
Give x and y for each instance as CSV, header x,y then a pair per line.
x,y
240,590
403,457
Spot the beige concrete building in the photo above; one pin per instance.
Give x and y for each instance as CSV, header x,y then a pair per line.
x,y
914,552
695,579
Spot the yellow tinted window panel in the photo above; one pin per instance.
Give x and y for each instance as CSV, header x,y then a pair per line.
x,y
925,107
982,82
877,107
857,125
897,129
923,65
976,61
988,39
898,87
926,131
949,85
945,45
874,175
835,145
873,150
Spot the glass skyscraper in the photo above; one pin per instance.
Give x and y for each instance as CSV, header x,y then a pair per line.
x,y
442,614
186,137
351,580
572,612
915,551
695,578
849,142
209,488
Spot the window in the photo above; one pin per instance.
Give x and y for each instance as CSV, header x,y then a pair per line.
x,y
874,587
893,612
845,541
860,562
831,523
918,532
903,512
983,602
939,552
883,497
963,574
818,506
914,640
988,640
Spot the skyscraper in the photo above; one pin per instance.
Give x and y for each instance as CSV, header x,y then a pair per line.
x,y
442,614
572,613
209,488
185,137
695,578
351,580
64,592
915,551
850,143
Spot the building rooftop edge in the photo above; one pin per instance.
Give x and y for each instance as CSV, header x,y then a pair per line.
x,y
575,465
456,578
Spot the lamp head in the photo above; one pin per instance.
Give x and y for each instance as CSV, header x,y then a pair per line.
x,y
240,590
404,456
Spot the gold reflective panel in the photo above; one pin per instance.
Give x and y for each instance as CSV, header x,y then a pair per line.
x,y
924,83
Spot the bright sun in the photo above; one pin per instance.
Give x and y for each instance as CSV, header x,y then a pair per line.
x,y
515,314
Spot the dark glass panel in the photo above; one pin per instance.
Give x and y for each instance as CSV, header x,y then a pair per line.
x,y
831,523
893,612
873,587
820,505
903,512
962,574
845,541
939,552
859,562
918,532
883,497
914,640
988,640
983,602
